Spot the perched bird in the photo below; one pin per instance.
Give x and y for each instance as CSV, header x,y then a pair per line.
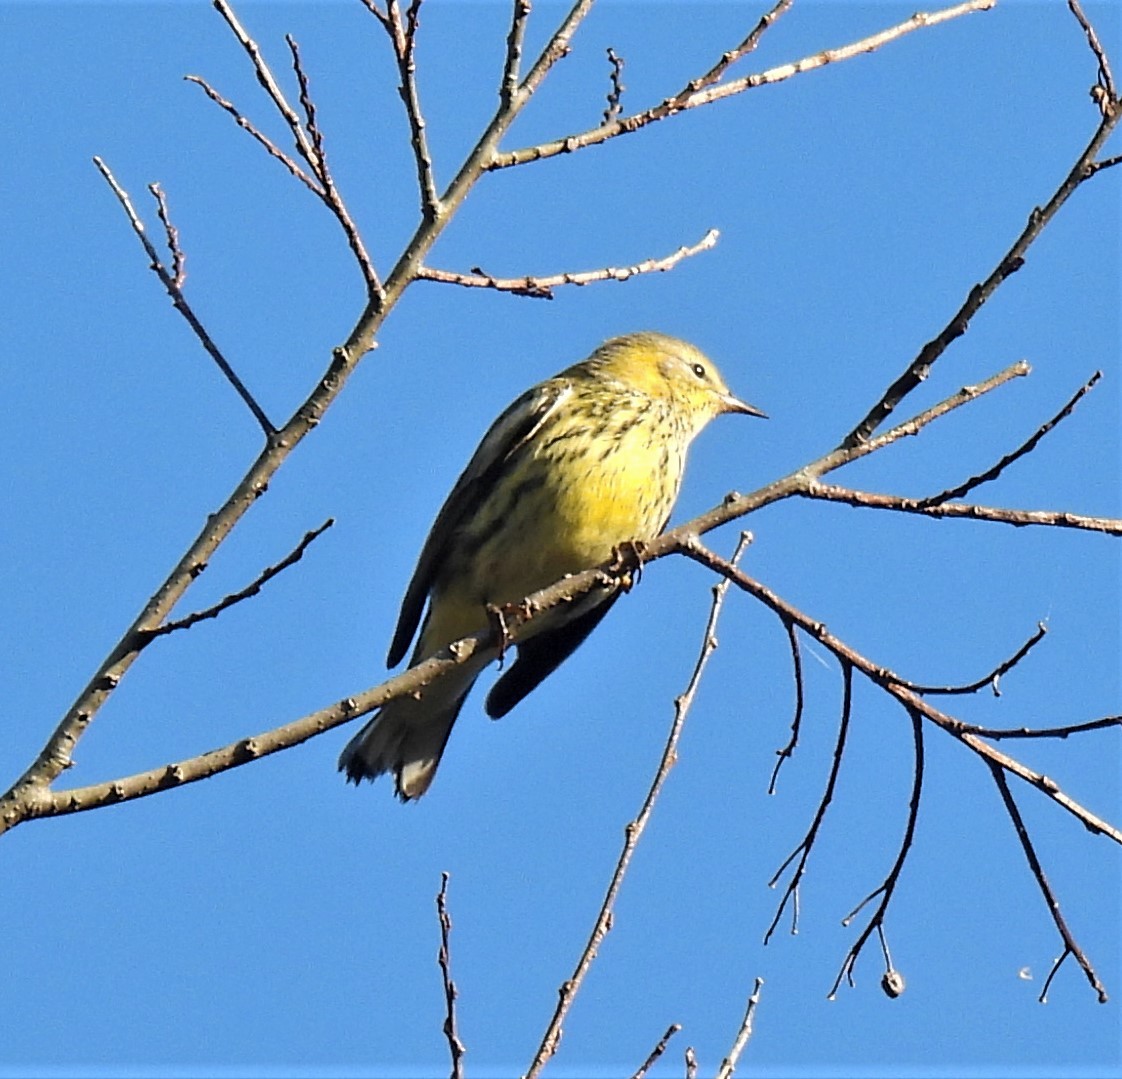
x,y
578,465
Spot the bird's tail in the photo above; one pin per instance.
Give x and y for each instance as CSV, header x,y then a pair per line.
x,y
407,737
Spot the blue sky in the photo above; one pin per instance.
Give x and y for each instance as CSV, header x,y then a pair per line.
x,y
273,920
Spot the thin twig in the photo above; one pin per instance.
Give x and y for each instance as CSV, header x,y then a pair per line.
x,y
615,88
993,679
743,1034
512,63
168,279
1026,447
892,684
269,84
634,830
247,125
455,1046
919,369
970,511
250,590
888,887
657,1051
1106,79
329,192
686,100
171,233
1071,946
748,45
691,1062
542,287
802,851
800,700
403,34
1063,732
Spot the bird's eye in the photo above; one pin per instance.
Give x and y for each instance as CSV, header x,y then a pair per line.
x,y
699,370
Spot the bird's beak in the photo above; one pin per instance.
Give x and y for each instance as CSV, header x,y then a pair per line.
x,y
734,404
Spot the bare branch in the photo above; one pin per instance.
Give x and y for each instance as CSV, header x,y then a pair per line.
x,y
1071,946
891,683
379,14
993,678
247,125
1009,264
748,45
403,34
657,1051
1106,79
556,48
688,99
455,1046
728,1065
844,454
1111,526
329,191
542,287
520,13
270,85
171,282
250,590
634,831
1026,447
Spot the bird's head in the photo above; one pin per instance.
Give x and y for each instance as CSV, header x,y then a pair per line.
x,y
667,368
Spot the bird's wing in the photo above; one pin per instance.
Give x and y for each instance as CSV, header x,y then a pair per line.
x,y
540,656
507,435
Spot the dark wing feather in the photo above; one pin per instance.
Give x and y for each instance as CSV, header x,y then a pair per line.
x,y
540,656
512,430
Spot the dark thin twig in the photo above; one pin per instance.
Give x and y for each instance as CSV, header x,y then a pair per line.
x,y
455,1046
800,701
1071,946
316,158
145,638
178,300
888,887
657,1051
802,851
992,679
1044,732
689,545
615,90
1026,447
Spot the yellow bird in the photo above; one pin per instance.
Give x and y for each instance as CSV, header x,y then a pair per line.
x,y
579,464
